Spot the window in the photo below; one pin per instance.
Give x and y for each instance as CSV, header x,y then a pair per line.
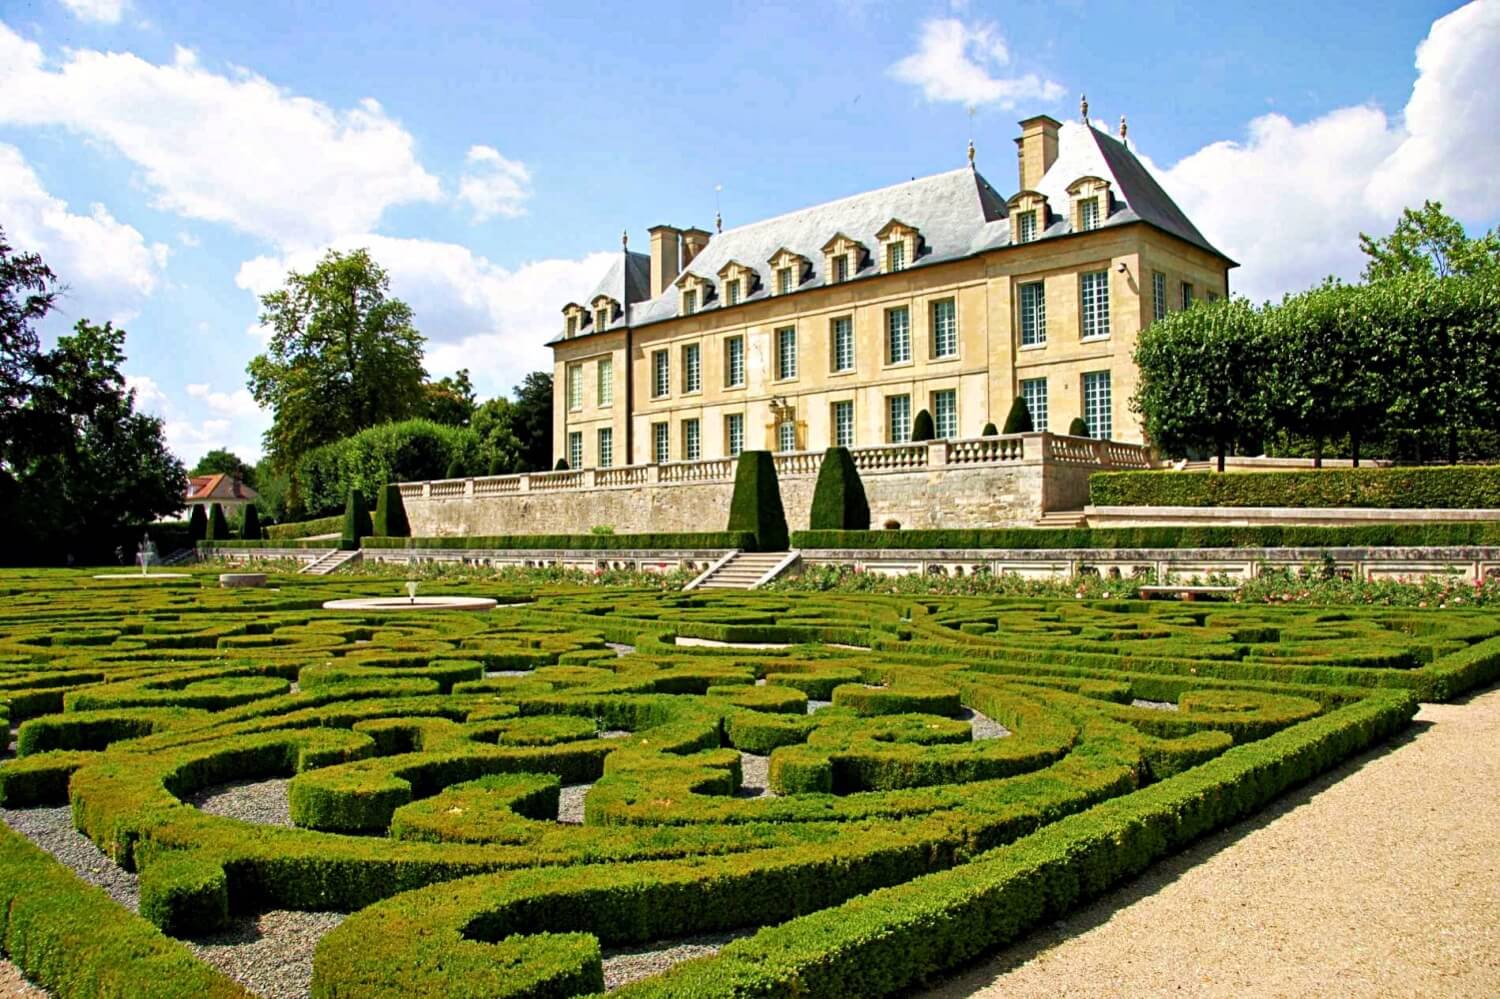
x,y
661,443
575,449
786,353
944,328
734,434
784,283
1158,295
573,324
575,386
601,318
1187,294
1034,391
692,440
606,387
897,418
1025,227
689,302
732,292
895,256
734,362
1095,304
897,335
945,413
786,436
1033,314
661,374
842,348
692,368
606,447
843,424
1213,296
1097,412
1088,214
841,268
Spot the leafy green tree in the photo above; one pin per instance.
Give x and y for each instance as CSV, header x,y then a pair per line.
x,y
1202,372
533,421
1428,241
221,461
449,400
28,289
1018,421
500,448
343,355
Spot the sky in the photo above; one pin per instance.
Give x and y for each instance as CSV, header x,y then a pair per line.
x,y
173,160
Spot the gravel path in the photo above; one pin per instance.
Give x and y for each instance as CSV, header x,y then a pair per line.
x,y
755,776
14,985
570,804
270,954
263,802
1154,705
621,649
629,964
52,830
983,726
1381,878
813,705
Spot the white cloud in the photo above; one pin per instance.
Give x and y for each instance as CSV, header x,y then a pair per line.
x,y
223,147
1290,200
476,314
956,62
239,403
494,185
149,398
204,421
108,265
102,11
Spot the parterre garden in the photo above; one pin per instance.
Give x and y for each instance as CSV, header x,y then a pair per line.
x,y
940,773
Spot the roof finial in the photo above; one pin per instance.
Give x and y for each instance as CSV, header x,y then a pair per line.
x,y
624,239
718,222
971,154
1083,107
1124,131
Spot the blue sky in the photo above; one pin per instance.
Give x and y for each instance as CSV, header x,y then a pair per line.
x,y
172,160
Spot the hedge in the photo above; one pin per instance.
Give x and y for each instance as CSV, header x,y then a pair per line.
x,y
390,513
407,451
743,540
304,528
839,502
1441,488
1478,533
755,505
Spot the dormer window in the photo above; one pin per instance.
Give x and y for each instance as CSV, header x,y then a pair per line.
x,y
842,258
1090,202
689,302
1025,227
601,317
738,281
841,268
788,269
573,324
784,282
1028,216
899,243
732,292
1088,214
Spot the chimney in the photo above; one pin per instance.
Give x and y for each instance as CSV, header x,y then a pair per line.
x,y
666,248
1036,149
693,242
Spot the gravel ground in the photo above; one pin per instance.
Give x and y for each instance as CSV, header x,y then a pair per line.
x,y
713,643
270,954
755,776
14,985
52,830
813,705
1154,705
984,727
629,964
1381,878
491,674
570,804
263,802
621,649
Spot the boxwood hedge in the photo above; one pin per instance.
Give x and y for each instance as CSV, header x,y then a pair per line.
x,y
1445,488
1411,535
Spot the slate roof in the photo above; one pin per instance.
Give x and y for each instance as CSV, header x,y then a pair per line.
x,y
957,214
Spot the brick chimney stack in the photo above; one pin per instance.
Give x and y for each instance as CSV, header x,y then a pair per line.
x,y
693,242
1036,149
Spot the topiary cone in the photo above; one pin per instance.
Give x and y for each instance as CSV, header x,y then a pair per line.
x,y
756,504
1019,419
922,428
839,502
1078,428
356,521
390,513
218,527
250,526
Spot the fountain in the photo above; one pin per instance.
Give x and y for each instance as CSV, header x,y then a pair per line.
x,y
412,601
145,554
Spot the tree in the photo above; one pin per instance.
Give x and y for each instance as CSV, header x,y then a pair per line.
x,y
1019,419
343,355
533,421
28,289
1202,372
449,400
494,423
922,428
1430,242
80,464
221,461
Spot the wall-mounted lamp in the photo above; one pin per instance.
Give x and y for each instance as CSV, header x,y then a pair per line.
x,y
1122,268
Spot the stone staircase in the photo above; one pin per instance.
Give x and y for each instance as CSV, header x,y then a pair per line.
x,y
744,570
1061,519
330,561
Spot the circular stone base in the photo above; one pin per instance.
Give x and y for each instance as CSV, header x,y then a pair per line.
x,y
408,604
229,580
144,577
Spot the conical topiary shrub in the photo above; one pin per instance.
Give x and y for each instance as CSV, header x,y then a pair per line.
x,y
989,431
561,466
198,523
356,521
390,513
922,428
250,526
839,502
1078,428
218,527
1019,419
756,504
